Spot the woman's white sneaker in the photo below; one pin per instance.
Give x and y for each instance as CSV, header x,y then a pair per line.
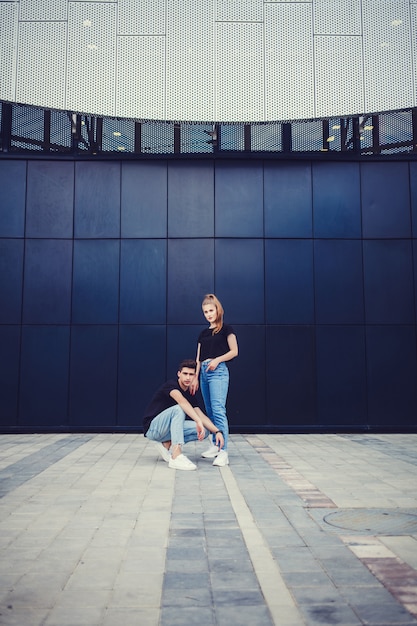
x,y
181,462
221,459
211,452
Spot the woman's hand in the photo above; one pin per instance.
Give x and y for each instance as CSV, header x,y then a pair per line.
x,y
193,386
212,365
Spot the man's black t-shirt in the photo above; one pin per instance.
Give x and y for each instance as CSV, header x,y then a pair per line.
x,y
161,400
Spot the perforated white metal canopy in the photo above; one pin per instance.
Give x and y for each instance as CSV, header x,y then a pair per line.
x,y
210,60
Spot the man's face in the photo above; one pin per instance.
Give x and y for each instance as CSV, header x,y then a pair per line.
x,y
185,377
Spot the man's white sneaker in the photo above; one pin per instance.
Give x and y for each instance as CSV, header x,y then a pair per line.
x,y
181,462
221,459
211,452
162,451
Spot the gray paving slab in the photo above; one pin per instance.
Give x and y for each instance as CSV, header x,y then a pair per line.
x,y
95,529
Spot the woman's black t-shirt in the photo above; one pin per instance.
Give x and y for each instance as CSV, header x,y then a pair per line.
x,y
213,346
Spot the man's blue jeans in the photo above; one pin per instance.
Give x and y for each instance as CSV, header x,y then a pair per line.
x,y
172,425
214,386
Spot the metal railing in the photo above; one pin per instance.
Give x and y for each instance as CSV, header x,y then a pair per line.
x,y
30,130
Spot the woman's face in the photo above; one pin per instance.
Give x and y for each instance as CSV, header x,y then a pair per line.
x,y
210,313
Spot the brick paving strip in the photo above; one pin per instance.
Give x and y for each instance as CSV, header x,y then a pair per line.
x,y
399,578
308,492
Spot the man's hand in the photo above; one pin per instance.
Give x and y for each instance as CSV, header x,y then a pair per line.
x,y
219,440
201,431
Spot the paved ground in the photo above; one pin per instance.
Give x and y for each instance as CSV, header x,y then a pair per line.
x,y
96,530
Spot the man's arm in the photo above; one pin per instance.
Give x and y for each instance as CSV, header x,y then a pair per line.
x,y
190,411
208,424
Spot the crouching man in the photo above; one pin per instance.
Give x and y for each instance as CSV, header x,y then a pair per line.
x,y
164,421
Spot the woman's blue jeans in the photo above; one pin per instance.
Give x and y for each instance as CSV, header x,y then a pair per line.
x,y
171,425
214,386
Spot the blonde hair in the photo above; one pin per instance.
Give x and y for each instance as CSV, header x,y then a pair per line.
x,y
210,298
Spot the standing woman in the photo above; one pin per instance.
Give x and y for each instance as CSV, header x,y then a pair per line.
x,y
216,345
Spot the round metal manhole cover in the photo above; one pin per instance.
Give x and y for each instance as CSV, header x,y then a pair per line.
x,y
375,521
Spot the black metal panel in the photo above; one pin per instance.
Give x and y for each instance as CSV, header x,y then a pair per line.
x,y
289,289
12,198
144,199
413,194
95,298
288,199
415,278
50,199
190,199
338,281
190,277
93,377
143,270
388,281
282,293
9,374
142,355
97,200
385,200
336,200
239,283
246,405
392,375
341,376
47,286
44,377
290,376
11,277
238,197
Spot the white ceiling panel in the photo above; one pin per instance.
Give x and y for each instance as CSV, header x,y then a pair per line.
x,y
189,61
239,72
414,44
242,11
8,49
41,64
337,59
43,10
140,81
289,68
146,17
388,71
91,67
337,18
210,60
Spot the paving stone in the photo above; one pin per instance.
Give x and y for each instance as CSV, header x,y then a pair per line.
x,y
96,530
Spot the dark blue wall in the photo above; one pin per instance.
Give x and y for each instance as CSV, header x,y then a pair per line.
x,y
103,266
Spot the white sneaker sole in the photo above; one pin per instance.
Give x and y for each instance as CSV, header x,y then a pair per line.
x,y
209,454
186,468
221,462
182,463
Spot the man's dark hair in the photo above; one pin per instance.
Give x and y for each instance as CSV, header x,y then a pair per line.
x,y
190,363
